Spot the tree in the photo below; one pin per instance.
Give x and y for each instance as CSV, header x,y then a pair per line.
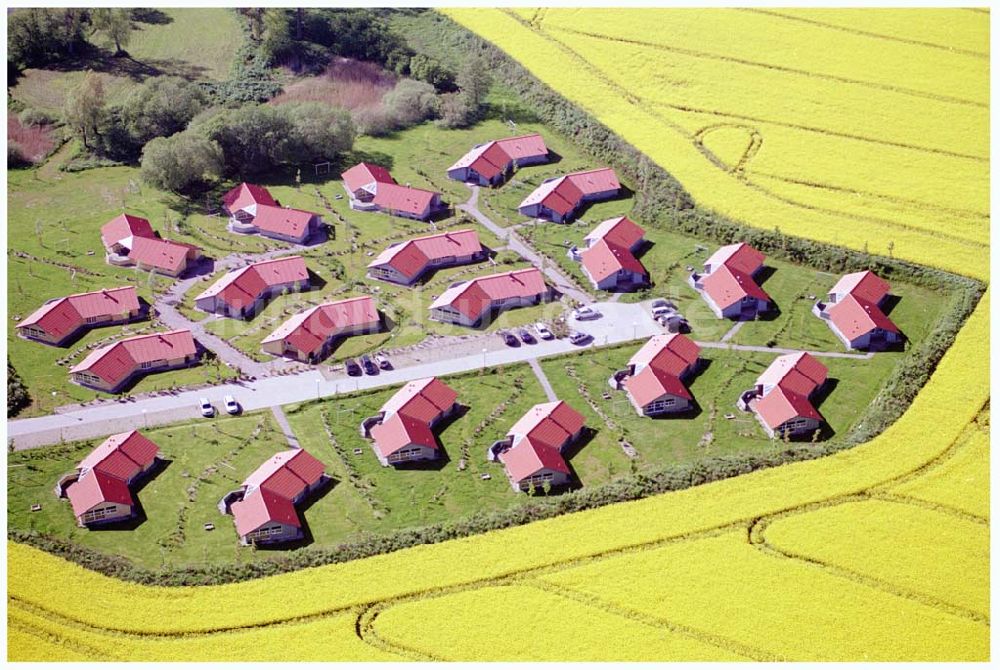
x,y
427,69
160,107
276,42
17,393
181,162
115,23
454,111
411,102
474,81
84,109
255,20
39,36
319,131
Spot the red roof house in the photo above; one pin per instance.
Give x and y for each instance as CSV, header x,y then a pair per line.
x,y
532,452
781,399
365,177
60,318
265,513
241,293
405,262
99,489
487,163
309,336
119,231
653,378
130,240
728,284
403,430
609,260
372,188
469,303
111,366
854,312
558,198
246,197
252,210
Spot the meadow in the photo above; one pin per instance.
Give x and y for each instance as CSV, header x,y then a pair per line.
x,y
766,566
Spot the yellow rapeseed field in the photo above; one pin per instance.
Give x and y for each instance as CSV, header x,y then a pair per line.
x,y
828,559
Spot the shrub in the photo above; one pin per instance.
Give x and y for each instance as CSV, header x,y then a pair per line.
x,y
31,117
17,393
182,162
411,102
160,107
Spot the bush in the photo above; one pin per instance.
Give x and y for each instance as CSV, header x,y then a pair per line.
x,y
411,102
17,393
374,121
182,162
160,107
31,117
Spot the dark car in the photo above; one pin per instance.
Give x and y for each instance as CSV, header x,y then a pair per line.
x,y
526,336
369,365
352,366
509,339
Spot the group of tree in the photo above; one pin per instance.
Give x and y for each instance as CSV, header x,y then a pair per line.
x,y
17,392
42,35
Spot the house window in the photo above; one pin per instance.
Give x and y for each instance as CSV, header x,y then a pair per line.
x,y
93,319
35,332
661,405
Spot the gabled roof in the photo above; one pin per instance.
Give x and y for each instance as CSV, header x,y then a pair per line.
x,y
123,455
62,316
366,175
164,255
529,457
524,146
740,256
245,195
563,194
671,353
423,399
781,405
411,257
262,507
122,228
308,330
475,296
243,286
621,231
400,431
550,424
727,286
854,317
488,159
603,259
653,383
799,372
97,488
595,181
114,362
403,198
283,220
866,286
287,473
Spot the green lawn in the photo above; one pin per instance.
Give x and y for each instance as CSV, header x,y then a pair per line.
x,y
206,459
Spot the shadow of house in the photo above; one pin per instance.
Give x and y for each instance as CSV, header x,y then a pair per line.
x,y
624,193
587,435
328,484
199,268
515,113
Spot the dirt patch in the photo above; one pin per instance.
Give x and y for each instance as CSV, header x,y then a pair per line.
x,y
346,83
33,143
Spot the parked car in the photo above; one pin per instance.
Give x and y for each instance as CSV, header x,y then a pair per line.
x,y
353,369
576,337
543,331
369,365
206,407
663,310
382,361
526,336
509,339
662,302
232,406
586,313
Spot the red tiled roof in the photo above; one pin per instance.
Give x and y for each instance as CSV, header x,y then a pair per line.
x,y
124,226
114,362
287,473
799,372
123,455
524,146
366,174
308,330
652,383
96,488
400,431
262,507
621,231
283,220
161,254
780,405
410,258
563,194
603,259
727,286
475,296
423,399
854,317
741,257
491,160
245,195
61,316
865,286
243,286
672,352
550,424
398,198
528,457
595,181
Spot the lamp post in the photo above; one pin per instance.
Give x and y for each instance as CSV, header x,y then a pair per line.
x,y
484,358
317,389
635,326
145,419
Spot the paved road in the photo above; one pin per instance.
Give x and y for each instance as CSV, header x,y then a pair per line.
x,y
557,277
621,322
